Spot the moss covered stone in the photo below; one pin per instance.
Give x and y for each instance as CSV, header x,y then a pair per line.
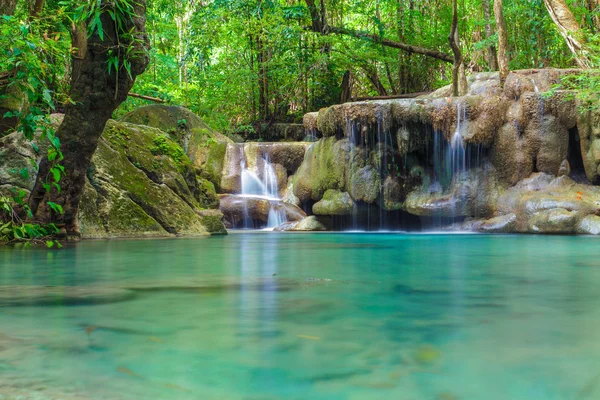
x,y
204,147
324,168
334,202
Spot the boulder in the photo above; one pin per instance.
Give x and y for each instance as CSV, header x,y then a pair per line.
x,y
140,183
556,220
501,224
334,202
140,171
289,155
589,225
323,168
309,224
204,147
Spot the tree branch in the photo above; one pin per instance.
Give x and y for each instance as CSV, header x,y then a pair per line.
x,y
390,43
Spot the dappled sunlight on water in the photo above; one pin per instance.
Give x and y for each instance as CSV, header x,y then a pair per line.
x,y
296,316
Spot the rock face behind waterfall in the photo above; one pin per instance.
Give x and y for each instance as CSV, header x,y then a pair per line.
x,y
518,159
140,183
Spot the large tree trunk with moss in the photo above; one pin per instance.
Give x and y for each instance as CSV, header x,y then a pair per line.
x,y
569,29
96,92
502,41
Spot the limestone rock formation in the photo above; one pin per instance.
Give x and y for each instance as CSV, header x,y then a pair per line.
x,y
491,157
140,183
204,146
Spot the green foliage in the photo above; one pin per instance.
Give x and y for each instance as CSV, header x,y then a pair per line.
x,y
13,229
218,57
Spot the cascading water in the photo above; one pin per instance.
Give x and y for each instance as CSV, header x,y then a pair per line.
x,y
266,188
456,155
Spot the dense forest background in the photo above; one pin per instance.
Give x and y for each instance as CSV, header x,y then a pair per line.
x,y
235,62
240,62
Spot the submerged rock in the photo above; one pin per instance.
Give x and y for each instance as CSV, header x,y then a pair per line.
x,y
61,295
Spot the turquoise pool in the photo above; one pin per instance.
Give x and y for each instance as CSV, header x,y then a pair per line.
x,y
304,316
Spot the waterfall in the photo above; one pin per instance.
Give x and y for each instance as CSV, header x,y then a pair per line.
x,y
535,88
276,217
263,185
270,178
254,186
457,156
251,183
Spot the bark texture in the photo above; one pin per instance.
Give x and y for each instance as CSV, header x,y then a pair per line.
x,y
96,93
593,7
569,29
7,7
459,80
491,55
502,41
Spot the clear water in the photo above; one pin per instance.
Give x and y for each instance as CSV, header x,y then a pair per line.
x,y
315,316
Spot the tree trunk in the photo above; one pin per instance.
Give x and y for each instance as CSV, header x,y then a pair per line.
x,y
346,87
35,8
491,55
373,77
502,41
569,29
459,84
7,7
96,93
593,7
317,16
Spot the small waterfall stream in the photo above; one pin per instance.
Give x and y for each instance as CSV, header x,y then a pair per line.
x,y
261,185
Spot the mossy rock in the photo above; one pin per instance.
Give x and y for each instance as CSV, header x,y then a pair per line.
x,y
213,221
324,168
204,147
142,184
334,202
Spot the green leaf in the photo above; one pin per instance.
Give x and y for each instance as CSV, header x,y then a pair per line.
x,y
57,208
